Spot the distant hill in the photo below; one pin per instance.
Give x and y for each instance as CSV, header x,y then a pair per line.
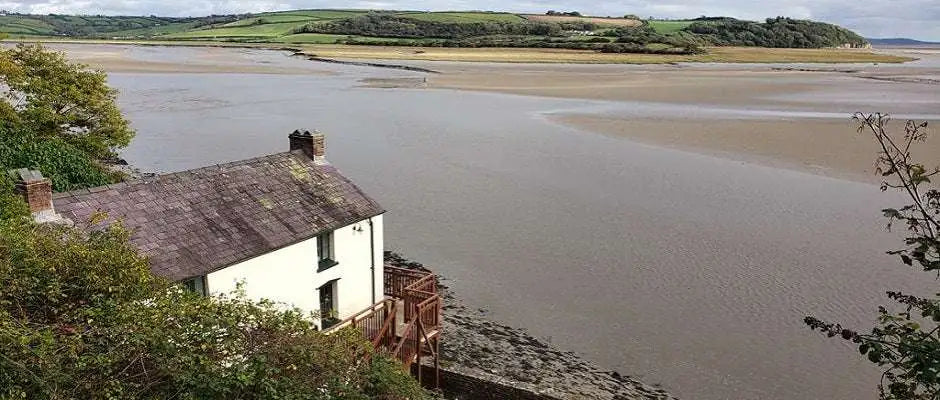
x,y
571,30
901,42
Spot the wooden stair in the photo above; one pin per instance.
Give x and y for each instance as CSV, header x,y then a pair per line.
x,y
407,324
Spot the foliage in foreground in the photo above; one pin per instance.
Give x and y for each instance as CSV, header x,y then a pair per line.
x,y
43,93
57,117
905,343
82,317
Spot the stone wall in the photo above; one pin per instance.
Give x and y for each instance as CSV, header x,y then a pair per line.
x,y
463,386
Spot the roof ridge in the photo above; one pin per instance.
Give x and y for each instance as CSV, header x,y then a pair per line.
x,y
156,177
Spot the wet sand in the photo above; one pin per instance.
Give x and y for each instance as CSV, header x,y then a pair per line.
x,y
203,59
688,270
827,146
766,110
820,146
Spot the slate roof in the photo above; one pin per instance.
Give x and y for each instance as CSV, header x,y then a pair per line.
x,y
194,222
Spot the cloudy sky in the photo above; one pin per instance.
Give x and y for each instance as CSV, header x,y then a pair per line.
x,y
919,19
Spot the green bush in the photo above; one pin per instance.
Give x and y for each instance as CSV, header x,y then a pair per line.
x,y
67,167
82,317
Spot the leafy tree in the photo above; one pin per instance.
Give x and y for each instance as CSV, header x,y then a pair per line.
x,y
774,32
54,98
82,317
905,343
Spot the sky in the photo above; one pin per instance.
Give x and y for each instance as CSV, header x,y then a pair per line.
x,y
918,19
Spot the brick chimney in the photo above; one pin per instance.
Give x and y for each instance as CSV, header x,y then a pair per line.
x,y
313,144
35,189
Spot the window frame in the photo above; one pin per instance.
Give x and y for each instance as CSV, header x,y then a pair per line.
x,y
326,259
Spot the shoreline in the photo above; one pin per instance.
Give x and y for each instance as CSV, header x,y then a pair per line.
x,y
477,346
821,146
729,55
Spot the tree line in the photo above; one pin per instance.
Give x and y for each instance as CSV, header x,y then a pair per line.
x,y
538,34
774,32
386,24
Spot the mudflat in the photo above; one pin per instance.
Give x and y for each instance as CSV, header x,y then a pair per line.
x,y
784,115
792,116
683,269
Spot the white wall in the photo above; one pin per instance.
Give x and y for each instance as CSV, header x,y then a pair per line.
x,y
289,275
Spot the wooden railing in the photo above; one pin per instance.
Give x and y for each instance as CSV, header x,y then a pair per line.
x,y
417,293
377,323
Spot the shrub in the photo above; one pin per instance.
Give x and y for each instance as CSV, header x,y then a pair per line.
x,y
82,317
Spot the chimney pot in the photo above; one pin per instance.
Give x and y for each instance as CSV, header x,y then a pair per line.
x,y
312,144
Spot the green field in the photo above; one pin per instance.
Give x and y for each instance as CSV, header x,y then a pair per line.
x,y
669,26
250,31
311,38
270,26
504,35
24,26
463,17
280,26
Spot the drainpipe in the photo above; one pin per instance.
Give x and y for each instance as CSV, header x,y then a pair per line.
x,y
372,257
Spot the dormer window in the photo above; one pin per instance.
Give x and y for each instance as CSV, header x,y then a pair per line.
x,y
325,251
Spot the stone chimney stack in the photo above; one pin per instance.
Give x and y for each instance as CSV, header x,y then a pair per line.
x,y
36,190
313,144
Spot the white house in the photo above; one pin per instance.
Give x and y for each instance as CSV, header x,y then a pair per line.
x,y
286,227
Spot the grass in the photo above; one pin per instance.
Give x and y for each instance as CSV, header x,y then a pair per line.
x,y
279,26
668,26
311,38
528,55
602,21
269,19
24,26
463,17
250,31
155,30
715,54
317,14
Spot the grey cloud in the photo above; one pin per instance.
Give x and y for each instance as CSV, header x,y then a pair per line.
x,y
897,18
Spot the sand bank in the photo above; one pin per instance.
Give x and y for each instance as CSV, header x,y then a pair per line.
x,y
826,146
820,146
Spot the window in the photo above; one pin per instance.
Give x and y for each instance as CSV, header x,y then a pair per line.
x,y
328,311
325,251
196,285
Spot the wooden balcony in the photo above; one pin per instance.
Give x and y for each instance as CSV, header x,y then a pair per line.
x,y
407,323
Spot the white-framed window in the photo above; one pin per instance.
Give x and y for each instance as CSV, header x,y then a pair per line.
x,y
325,252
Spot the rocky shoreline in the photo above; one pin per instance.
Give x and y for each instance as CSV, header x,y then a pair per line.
x,y
477,346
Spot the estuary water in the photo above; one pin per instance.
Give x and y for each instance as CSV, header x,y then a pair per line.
x,y
682,269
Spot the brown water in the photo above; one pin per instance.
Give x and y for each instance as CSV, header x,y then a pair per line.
x,y
684,269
